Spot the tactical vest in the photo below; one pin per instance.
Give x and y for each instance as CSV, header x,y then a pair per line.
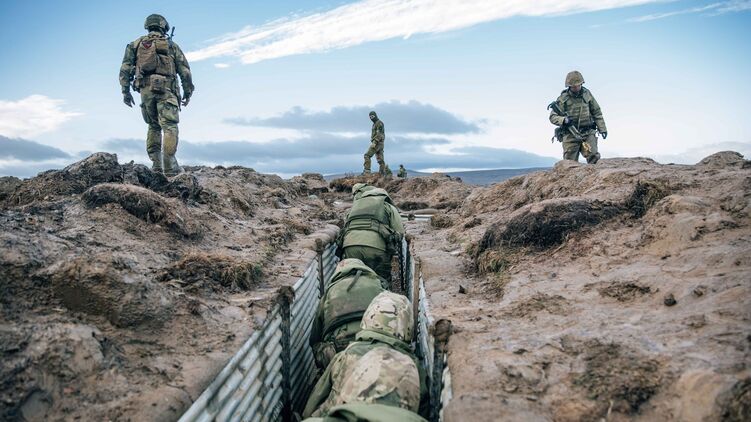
x,y
347,299
153,56
369,213
577,108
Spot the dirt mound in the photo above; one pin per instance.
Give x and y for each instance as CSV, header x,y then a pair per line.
x,y
143,204
118,285
616,378
213,271
615,291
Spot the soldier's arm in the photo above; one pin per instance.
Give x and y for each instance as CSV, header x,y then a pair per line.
x,y
395,220
128,67
554,117
380,131
183,69
596,112
316,331
321,390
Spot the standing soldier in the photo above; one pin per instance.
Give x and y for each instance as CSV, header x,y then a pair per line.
x,y
402,174
152,63
579,117
377,138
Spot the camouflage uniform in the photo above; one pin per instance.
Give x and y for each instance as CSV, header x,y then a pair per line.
x,y
402,172
585,115
363,412
377,138
337,320
387,323
373,230
160,108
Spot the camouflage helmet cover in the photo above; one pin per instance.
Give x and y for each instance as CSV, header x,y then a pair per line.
x,y
383,376
357,187
155,20
574,78
389,314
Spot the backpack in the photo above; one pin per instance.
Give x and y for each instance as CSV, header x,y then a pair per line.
x,y
153,56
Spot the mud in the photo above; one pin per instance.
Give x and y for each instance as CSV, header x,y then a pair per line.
x,y
123,293
564,274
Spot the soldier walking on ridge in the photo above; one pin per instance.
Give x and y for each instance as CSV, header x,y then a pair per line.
x,y
151,64
579,118
377,138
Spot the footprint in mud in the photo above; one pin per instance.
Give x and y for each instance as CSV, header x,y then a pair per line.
x,y
552,304
624,291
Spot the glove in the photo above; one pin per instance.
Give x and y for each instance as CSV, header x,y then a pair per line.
x,y
604,135
186,98
566,121
128,99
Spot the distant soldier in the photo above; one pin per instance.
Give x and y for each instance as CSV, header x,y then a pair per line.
x,y
402,174
387,323
377,138
151,64
579,117
337,320
373,230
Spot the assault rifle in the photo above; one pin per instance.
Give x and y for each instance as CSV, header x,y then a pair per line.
x,y
573,130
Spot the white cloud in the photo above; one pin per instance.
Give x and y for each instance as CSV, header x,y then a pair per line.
x,y
376,20
32,116
717,8
221,65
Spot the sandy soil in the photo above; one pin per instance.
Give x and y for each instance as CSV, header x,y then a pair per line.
x,y
619,291
122,293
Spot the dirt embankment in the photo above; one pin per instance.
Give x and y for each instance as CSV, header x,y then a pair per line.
x,y
617,291
122,293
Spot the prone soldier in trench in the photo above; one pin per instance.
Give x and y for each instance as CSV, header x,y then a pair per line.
x,y
337,320
373,230
387,323
151,65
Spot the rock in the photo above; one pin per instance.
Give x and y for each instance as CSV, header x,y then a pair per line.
x,y
462,289
669,300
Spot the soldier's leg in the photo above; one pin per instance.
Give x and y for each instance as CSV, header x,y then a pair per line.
x,y
369,153
154,133
168,119
571,149
374,258
594,154
379,158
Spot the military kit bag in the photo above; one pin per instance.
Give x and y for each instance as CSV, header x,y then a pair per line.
x,y
158,83
152,57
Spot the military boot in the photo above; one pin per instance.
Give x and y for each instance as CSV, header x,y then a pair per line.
x,y
156,161
171,167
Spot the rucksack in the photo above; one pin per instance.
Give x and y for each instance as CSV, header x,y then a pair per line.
x,y
153,56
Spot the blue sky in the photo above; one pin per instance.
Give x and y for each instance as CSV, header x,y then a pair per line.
x,y
458,84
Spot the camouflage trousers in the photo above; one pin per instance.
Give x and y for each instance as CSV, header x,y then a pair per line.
x,y
160,111
572,148
376,148
378,260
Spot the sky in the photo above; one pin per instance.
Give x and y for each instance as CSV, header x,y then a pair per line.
x,y
286,86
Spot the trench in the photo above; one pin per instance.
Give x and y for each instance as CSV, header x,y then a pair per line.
x,y
270,377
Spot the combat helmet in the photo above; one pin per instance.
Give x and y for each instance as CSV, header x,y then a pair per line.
x,y
383,376
574,78
158,21
389,314
361,187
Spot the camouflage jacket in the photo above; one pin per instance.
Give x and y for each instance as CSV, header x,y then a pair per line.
x,y
128,67
378,133
581,108
328,388
368,412
371,238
